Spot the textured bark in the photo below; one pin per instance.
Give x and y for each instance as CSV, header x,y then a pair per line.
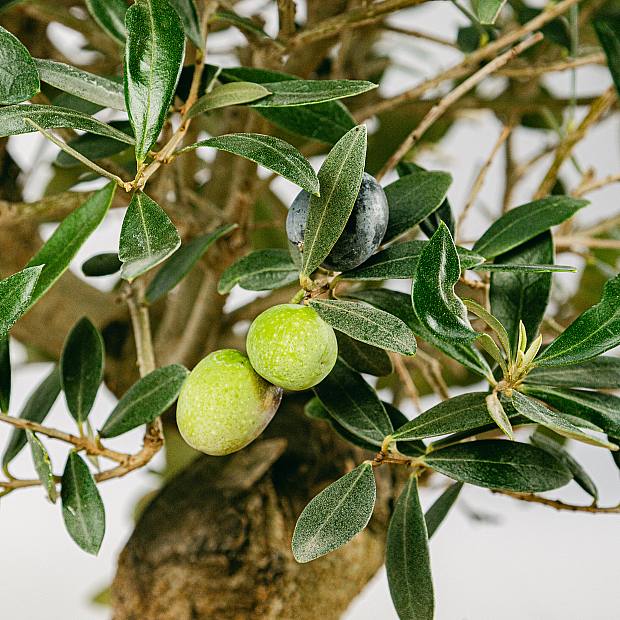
x,y
215,542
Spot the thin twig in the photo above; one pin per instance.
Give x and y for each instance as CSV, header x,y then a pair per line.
x,y
553,67
591,186
419,35
559,505
437,111
407,381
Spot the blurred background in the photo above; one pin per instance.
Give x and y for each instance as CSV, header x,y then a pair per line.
x,y
494,557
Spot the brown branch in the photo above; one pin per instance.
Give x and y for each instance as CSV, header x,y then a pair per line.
x,y
552,67
592,185
286,18
407,381
452,97
559,505
419,35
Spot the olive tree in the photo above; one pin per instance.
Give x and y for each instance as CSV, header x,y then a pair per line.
x,y
290,517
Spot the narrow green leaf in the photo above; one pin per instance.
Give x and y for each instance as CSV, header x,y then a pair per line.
x,y
367,324
415,447
336,515
496,411
110,15
19,80
526,222
153,61
181,263
303,92
525,268
259,271
399,261
60,249
449,416
5,374
399,304
43,465
81,368
580,475
82,84
413,198
539,413
597,408
607,29
101,265
16,293
340,178
407,558
36,409
599,373
326,122
435,304
12,121
488,10
363,357
354,404
82,508
188,14
518,296
491,321
148,237
499,464
245,24
436,514
597,330
145,400
233,93
272,153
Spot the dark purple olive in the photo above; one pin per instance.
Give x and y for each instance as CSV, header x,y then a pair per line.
x,y
362,234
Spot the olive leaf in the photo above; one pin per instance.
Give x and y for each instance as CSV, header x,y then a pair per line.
x,y
188,14
16,293
19,79
148,237
82,508
82,84
43,465
526,222
340,178
5,373
607,29
363,357
272,153
145,400
407,558
413,198
36,409
81,368
354,404
367,324
595,331
602,372
60,249
435,304
182,261
110,15
336,515
488,10
153,60
497,412
258,271
12,121
233,93
436,514
500,464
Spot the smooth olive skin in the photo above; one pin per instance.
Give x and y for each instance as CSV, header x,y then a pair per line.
x,y
224,404
292,346
362,234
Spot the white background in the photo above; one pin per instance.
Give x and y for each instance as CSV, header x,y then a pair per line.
x,y
493,558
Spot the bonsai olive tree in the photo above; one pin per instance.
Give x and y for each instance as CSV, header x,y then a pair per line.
x,y
311,480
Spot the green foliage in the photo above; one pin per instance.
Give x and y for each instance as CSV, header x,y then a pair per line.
x,y
497,464
19,80
413,198
16,293
272,153
5,374
259,271
36,409
340,177
608,31
153,59
233,93
305,92
145,400
81,368
336,515
188,14
104,264
148,237
82,508
363,357
110,15
436,514
354,404
602,372
407,558
43,465
487,10
367,324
